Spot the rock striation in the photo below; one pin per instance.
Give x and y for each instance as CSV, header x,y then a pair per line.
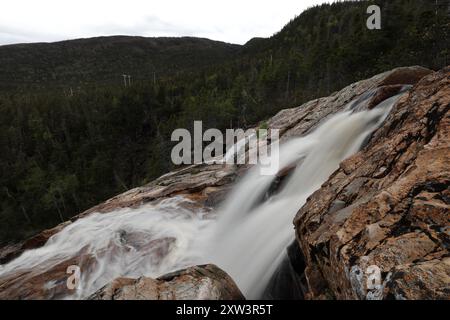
x,y
379,227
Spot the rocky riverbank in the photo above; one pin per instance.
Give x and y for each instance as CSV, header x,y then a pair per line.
x,y
387,206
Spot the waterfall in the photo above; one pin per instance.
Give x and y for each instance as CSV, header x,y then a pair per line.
x,y
246,237
249,239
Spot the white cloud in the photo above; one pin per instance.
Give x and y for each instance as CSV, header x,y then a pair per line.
x,y
232,21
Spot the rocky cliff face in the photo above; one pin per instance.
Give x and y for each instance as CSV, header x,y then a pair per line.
x,y
386,206
387,209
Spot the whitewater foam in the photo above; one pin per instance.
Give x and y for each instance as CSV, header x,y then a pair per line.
x,y
248,238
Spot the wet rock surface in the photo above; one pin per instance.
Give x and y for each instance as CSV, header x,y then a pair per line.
x,y
379,227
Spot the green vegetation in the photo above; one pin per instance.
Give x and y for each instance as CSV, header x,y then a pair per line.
x,y
102,61
63,152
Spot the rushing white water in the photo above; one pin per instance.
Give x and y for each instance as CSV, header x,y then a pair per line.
x,y
236,149
247,239
149,241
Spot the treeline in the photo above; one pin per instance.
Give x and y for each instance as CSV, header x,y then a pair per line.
x,y
63,152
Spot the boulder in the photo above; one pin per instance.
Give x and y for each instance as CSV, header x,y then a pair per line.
x,y
206,282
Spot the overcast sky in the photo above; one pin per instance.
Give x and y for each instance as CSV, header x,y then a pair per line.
x,y
235,21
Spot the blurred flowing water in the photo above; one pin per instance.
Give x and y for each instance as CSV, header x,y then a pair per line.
x,y
247,236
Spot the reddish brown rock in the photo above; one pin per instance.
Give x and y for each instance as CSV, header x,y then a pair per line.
x,y
383,93
387,206
206,282
406,75
38,283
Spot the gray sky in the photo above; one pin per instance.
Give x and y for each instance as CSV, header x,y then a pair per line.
x,y
235,21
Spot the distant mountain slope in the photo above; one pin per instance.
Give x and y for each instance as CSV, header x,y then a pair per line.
x,y
103,60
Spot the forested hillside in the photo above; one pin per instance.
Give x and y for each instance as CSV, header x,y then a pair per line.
x,y
64,150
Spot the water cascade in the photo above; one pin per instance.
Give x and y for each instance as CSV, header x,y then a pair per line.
x,y
249,239
246,237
